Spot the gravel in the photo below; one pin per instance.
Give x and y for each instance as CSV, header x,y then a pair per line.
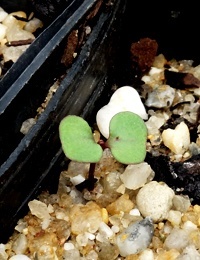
x,y
129,214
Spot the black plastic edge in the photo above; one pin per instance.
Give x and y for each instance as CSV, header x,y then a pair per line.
x,y
33,163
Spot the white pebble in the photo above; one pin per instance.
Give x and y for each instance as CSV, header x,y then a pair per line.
x,y
167,228
124,99
3,14
134,212
61,215
189,226
15,34
105,232
154,199
115,229
77,179
3,29
190,252
155,122
174,217
13,53
162,96
68,246
20,245
155,70
136,175
88,30
26,125
82,239
45,223
147,255
21,225
197,91
104,228
50,208
177,239
178,139
121,189
90,236
39,209
13,23
3,254
181,203
71,254
92,255
136,237
33,25
146,79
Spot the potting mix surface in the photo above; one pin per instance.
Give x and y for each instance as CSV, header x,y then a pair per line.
x,y
149,210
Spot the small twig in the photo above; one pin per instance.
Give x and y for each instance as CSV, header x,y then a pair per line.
x,y
179,104
19,43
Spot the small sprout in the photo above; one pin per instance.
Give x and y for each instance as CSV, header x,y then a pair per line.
x,y
127,139
77,140
126,136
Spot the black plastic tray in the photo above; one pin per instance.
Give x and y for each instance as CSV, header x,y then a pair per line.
x,y
34,161
26,84
23,65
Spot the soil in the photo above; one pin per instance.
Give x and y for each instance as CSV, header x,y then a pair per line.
x,y
65,234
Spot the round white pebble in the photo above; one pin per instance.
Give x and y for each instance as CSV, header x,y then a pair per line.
x,y
155,200
68,246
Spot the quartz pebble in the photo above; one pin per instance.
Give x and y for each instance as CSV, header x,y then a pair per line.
x,y
122,204
32,25
126,200
147,254
161,96
154,199
177,239
154,123
13,29
136,237
20,245
26,125
13,53
3,254
85,218
190,252
174,217
136,175
178,139
181,203
40,210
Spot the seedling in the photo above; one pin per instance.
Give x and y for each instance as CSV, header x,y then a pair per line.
x,y
127,141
